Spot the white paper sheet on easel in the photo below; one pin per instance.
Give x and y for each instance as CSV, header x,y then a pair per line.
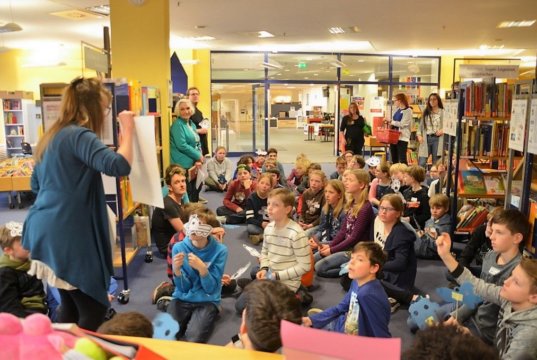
x,y
144,176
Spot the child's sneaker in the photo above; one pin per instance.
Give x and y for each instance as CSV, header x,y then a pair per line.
x,y
221,219
165,288
255,239
163,302
394,305
314,311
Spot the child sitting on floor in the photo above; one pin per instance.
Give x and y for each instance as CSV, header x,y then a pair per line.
x,y
381,185
267,304
198,266
439,223
285,255
312,203
365,310
256,208
341,166
20,294
219,171
332,215
417,209
272,155
305,184
236,196
516,337
130,323
295,178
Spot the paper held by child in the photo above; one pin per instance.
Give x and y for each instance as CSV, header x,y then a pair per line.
x,y
241,271
252,251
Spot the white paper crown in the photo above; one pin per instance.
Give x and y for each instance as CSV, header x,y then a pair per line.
x,y
193,226
15,228
261,152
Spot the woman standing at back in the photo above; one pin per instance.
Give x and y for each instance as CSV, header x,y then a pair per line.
x,y
430,131
67,229
352,129
401,120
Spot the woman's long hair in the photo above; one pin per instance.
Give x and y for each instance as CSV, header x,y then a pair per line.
x,y
350,120
429,109
83,104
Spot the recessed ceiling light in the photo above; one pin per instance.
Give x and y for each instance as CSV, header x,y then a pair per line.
x,y
487,47
200,26
264,34
521,23
355,29
100,9
336,30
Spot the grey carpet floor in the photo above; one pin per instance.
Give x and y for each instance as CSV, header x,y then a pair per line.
x,y
144,277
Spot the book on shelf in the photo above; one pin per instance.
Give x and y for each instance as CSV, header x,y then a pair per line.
x,y
494,183
472,182
531,242
472,218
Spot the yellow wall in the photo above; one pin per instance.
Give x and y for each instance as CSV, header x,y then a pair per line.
x,y
16,74
140,38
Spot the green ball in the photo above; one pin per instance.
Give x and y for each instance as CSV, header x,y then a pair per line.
x,y
90,349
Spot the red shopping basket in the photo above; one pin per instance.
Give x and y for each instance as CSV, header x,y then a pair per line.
x,y
387,136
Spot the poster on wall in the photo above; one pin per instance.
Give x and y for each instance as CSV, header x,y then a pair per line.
x,y
360,101
450,117
518,124
532,131
51,112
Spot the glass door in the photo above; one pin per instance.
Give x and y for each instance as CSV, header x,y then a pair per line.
x,y
260,118
240,113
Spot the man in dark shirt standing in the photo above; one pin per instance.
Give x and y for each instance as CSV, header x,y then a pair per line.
x,y
193,94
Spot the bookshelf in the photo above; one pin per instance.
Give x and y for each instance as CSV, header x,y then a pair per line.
x,y
14,120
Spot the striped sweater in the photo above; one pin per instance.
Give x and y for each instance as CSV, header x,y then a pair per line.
x,y
286,252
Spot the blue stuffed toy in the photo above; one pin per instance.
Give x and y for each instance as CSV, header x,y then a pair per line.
x,y
423,313
462,295
165,327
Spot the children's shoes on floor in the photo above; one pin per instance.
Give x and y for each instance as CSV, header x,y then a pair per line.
x,y
255,239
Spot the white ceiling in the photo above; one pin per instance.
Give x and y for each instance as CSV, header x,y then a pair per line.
x,y
455,27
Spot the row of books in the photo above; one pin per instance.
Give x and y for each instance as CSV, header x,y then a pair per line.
x,y
12,104
486,139
488,99
471,217
474,182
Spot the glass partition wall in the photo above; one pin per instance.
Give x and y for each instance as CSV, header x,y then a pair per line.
x,y
262,99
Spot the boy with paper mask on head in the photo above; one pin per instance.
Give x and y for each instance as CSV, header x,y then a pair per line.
x,y
198,266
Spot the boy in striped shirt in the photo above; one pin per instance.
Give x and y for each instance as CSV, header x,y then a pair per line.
x,y
285,255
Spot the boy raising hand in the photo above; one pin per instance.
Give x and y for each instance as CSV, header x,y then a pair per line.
x,y
516,334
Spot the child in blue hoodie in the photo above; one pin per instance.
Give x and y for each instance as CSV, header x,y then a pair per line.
x,y
365,310
198,266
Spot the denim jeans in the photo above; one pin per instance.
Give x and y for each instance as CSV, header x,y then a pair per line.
x,y
432,147
311,231
196,320
331,265
254,229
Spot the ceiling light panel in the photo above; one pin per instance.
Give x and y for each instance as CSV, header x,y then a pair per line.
x,y
336,30
264,34
521,23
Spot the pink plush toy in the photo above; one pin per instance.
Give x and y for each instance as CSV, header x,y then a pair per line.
x,y
32,338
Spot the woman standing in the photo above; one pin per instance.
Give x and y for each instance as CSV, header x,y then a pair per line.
x,y
67,229
352,130
401,120
430,130
185,146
